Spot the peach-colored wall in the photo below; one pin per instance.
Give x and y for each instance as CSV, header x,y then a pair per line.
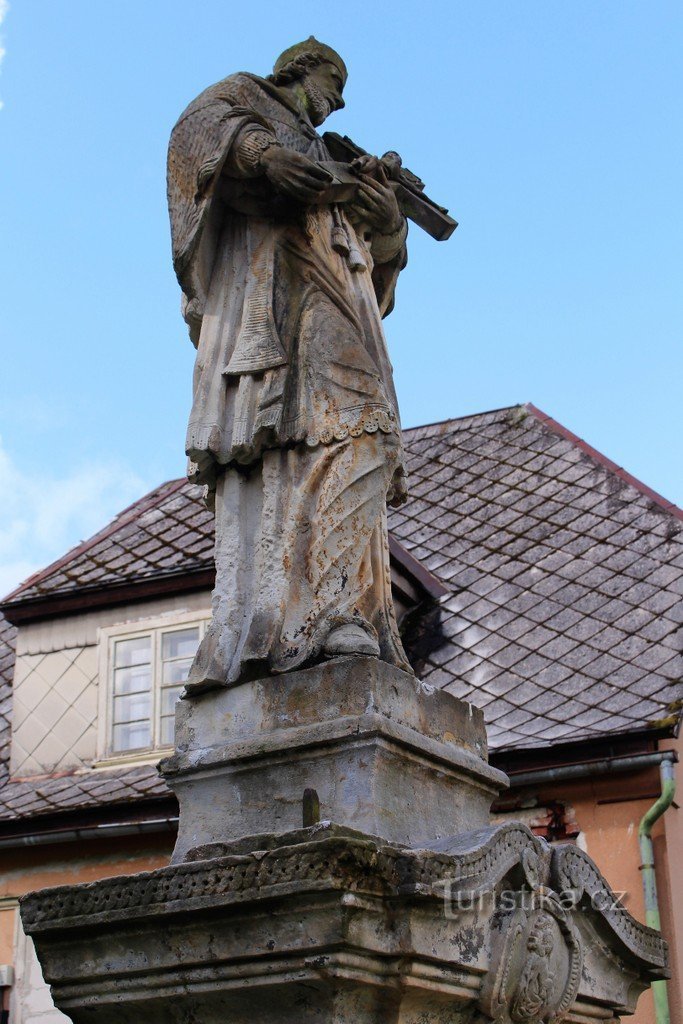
x,y
608,812
7,934
24,870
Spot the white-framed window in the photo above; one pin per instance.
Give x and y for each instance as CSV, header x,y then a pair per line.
x,y
144,666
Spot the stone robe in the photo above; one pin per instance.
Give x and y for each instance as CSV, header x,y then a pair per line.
x,y
294,421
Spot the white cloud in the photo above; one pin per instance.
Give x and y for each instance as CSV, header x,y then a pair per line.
x,y
42,516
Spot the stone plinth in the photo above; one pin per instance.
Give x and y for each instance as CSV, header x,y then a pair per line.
x,y
386,755
331,926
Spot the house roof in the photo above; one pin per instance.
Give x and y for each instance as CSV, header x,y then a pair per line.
x,y
80,791
7,642
166,533
564,576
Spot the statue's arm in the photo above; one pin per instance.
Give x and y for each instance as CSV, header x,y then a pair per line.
x,y
375,205
245,159
386,247
384,278
258,154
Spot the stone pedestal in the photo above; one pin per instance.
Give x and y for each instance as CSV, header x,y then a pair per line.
x,y
405,908
385,754
328,925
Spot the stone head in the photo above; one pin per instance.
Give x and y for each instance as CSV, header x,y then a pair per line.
x,y
317,73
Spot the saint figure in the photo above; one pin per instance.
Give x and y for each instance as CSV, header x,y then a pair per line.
x,y
294,429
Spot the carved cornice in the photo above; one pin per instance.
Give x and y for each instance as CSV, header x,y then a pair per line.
x,y
572,871
329,858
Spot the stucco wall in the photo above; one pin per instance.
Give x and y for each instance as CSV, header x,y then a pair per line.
x,y
30,999
23,870
608,812
54,723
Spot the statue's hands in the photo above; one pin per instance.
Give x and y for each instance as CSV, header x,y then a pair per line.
x,y
375,203
294,175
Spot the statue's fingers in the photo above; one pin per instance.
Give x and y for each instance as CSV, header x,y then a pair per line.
x,y
368,198
311,181
373,184
314,170
374,210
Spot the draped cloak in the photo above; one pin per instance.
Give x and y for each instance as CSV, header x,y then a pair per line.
x,y
290,355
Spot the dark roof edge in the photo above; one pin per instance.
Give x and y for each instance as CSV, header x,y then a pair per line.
x,y
415,569
87,598
151,808
101,816
557,428
128,514
180,581
515,759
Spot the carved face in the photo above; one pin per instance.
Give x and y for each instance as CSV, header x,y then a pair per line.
x,y
323,86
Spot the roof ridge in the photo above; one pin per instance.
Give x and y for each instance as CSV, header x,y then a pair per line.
x,y
460,419
130,513
597,456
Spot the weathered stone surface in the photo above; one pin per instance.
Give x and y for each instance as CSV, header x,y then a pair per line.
x,y
384,753
287,266
327,924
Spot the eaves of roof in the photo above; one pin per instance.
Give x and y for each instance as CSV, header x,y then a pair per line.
x,y
153,585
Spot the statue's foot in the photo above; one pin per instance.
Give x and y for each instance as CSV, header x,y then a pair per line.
x,y
350,638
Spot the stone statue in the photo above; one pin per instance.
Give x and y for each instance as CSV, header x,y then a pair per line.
x,y
335,858
294,427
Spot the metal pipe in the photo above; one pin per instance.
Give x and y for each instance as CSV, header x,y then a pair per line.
x,y
588,769
73,835
647,866
665,759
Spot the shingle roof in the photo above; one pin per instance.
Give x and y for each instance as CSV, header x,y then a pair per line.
x,y
565,578
29,798
7,641
168,530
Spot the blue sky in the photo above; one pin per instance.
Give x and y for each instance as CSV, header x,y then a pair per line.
x,y
552,131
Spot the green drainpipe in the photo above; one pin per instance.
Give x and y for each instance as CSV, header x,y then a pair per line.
x,y
647,866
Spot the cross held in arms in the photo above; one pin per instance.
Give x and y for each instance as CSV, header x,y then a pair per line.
x,y
408,188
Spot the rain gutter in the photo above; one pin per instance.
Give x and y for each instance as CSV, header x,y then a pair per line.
x,y
588,769
647,866
104,830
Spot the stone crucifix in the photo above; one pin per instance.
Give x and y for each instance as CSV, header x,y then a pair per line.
x,y
288,262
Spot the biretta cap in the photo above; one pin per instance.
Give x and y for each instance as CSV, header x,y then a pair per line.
x,y
311,45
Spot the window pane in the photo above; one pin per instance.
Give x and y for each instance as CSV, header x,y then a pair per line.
x,y
132,709
175,672
169,696
181,643
131,737
167,724
137,651
133,680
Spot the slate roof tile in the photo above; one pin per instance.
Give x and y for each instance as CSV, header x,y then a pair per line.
x,y
80,791
7,645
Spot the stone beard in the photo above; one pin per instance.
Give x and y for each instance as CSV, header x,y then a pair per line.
x,y
294,425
